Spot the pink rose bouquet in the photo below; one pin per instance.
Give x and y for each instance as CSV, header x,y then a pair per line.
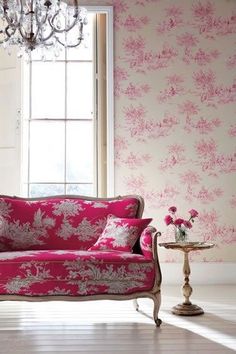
x,y
180,224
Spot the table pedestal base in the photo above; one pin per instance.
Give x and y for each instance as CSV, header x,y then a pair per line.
x,y
187,310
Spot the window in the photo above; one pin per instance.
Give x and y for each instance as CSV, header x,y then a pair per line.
x,y
67,118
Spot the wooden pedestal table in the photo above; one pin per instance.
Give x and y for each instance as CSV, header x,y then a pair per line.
x,y
187,308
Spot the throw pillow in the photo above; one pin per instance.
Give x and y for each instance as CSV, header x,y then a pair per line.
x,y
120,234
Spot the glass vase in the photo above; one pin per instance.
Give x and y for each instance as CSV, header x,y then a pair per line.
x,y
181,235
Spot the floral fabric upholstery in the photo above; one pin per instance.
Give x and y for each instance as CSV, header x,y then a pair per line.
x,y
146,242
62,272
57,223
120,234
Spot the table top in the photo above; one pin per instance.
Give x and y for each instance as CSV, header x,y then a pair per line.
x,y
187,246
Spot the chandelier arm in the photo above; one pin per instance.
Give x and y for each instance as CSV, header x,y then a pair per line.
x,y
48,37
21,12
35,34
9,34
22,33
69,45
10,24
76,19
64,29
32,13
29,39
39,24
10,20
5,39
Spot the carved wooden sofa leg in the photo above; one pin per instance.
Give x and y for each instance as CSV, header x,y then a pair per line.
x,y
136,305
157,302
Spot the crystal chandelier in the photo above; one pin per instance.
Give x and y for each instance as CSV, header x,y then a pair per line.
x,y
30,24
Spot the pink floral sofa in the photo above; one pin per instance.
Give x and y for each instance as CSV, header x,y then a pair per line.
x,y
78,248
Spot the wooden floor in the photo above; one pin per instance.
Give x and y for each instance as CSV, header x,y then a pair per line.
x,y
109,327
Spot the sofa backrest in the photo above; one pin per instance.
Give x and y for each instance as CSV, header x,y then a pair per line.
x,y
59,222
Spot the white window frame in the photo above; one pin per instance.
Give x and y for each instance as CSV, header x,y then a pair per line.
x,y
108,10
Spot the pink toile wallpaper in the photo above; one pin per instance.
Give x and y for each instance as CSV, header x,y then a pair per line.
x,y
175,114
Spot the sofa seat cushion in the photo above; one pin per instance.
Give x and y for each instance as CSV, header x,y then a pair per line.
x,y
59,222
62,272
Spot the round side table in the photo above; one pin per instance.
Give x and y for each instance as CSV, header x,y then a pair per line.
x,y
187,308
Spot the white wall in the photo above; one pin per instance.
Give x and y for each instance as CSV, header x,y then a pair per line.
x,y
10,103
201,273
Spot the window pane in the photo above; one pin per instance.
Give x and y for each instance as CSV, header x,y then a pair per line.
x,y
47,151
48,90
80,189
80,87
41,190
79,152
85,50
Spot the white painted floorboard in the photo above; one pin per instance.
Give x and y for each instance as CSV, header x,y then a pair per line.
x,y
113,327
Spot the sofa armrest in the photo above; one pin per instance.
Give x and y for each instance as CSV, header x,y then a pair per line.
x,y
148,242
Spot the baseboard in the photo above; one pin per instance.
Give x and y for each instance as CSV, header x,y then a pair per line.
x,y
201,273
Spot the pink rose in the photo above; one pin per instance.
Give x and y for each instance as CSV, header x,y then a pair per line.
x,y
168,220
193,213
178,222
187,224
172,209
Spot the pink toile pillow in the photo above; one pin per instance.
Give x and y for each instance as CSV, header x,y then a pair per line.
x,y
120,234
